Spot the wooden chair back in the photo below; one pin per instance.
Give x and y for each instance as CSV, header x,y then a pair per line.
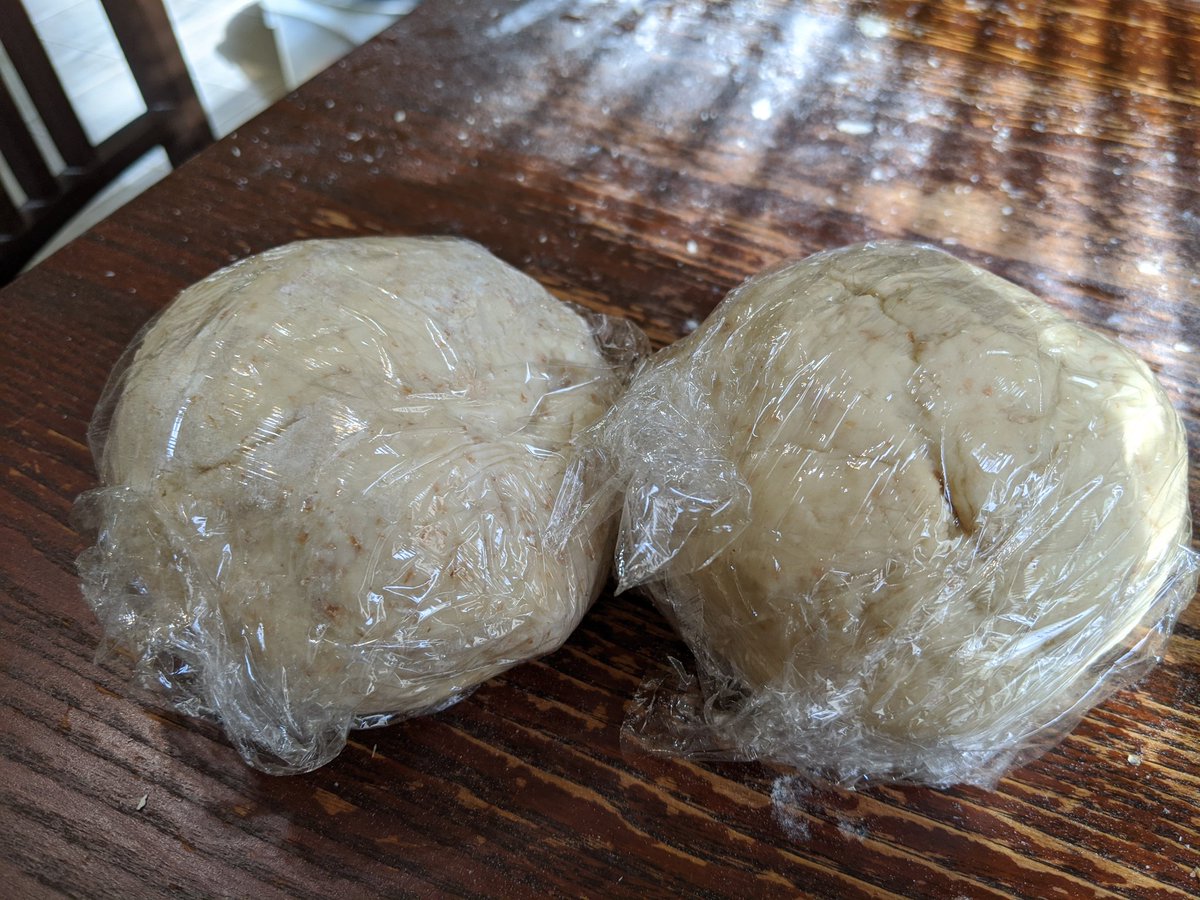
x,y
46,199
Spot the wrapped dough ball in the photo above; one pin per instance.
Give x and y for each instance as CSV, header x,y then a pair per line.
x,y
911,520
331,477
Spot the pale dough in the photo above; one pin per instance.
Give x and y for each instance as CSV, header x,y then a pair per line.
x,y
958,501
331,473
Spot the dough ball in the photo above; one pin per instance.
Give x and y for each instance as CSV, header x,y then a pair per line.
x,y
330,477
925,510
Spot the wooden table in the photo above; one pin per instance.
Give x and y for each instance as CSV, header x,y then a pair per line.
x,y
640,158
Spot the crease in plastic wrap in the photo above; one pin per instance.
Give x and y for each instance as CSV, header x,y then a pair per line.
x,y
911,522
340,487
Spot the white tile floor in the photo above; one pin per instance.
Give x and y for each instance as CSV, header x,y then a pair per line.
x,y
230,52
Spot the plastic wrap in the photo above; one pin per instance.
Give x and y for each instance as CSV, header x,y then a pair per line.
x,y
335,488
911,521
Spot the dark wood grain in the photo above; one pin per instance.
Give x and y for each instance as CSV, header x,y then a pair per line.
x,y
639,158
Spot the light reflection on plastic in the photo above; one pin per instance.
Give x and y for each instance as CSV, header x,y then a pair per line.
x,y
175,427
